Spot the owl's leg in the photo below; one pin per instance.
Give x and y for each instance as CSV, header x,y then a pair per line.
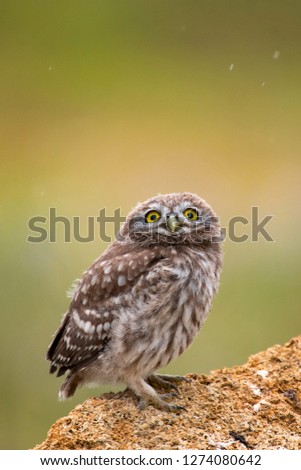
x,y
148,396
166,381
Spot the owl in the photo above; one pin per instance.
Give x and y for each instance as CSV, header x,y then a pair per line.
x,y
143,301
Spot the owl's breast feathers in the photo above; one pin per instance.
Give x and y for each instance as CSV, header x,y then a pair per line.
x,y
126,288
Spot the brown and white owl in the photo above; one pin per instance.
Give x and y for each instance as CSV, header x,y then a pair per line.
x,y
142,302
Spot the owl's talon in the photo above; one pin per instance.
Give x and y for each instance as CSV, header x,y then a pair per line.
x,y
166,381
173,378
141,404
157,380
173,407
147,396
168,395
159,383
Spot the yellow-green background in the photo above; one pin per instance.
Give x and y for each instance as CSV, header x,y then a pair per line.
x,y
106,103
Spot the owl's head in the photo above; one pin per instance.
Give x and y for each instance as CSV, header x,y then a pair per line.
x,y
177,218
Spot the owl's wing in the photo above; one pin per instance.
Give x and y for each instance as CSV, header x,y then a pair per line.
x,y
85,329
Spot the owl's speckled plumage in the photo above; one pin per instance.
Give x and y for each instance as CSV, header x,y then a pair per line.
x,y
142,302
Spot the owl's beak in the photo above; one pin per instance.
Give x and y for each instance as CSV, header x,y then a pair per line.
x,y
173,223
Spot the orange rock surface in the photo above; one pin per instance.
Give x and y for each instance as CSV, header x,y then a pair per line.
x,y
253,406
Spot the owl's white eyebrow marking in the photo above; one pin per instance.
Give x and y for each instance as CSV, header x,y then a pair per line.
x,y
121,280
185,205
154,206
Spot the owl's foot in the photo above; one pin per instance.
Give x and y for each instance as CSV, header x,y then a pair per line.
x,y
168,395
168,382
173,378
157,382
148,396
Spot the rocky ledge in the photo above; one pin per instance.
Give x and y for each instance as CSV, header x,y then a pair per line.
x,y
253,406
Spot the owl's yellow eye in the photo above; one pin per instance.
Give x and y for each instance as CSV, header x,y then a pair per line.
x,y
152,216
191,214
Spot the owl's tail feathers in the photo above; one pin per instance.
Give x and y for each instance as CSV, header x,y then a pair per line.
x,y
69,386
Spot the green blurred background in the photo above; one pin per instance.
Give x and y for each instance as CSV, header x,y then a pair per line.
x,y
106,103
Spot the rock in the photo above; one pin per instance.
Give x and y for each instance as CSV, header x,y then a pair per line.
x,y
253,406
